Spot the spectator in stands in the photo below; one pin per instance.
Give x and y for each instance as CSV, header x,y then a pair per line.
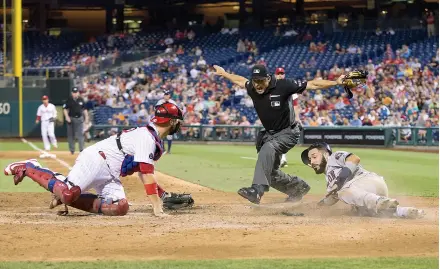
x,y
253,48
339,49
356,122
191,35
198,51
241,47
313,48
405,52
430,24
308,36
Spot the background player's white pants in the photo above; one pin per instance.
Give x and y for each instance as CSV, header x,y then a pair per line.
x,y
48,130
91,172
364,191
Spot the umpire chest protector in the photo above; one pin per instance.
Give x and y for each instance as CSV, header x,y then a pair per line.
x,y
129,166
273,106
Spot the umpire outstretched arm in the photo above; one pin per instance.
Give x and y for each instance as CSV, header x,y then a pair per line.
x,y
311,85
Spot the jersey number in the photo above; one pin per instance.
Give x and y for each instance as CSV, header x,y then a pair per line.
x,y
5,108
331,176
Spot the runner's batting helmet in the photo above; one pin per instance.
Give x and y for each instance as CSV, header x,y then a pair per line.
x,y
317,145
165,112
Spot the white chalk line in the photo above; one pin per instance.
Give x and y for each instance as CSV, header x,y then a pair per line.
x,y
32,145
249,158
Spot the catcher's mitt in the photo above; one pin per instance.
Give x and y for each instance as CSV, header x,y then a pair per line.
x,y
354,79
177,201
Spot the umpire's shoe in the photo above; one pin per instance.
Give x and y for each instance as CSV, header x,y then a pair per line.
x,y
250,193
302,189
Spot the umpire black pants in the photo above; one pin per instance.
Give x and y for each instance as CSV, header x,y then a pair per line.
x,y
75,130
270,146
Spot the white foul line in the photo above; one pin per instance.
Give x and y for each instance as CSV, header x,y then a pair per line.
x,y
248,158
63,163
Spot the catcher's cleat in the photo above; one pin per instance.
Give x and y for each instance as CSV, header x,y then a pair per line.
x,y
12,167
250,194
18,169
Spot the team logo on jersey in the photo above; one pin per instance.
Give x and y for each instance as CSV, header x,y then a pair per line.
x,y
275,103
151,156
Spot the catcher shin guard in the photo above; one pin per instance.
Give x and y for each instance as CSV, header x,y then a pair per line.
x,y
94,204
47,179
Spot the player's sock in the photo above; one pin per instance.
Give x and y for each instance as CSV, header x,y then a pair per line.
x,y
161,192
169,145
47,179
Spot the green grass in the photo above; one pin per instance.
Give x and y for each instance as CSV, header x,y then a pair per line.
x,y
364,263
7,183
221,167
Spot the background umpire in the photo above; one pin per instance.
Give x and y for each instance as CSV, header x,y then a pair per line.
x,y
280,134
75,115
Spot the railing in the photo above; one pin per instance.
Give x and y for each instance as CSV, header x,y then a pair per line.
x,y
103,63
366,136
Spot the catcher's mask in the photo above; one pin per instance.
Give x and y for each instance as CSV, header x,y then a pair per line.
x,y
317,145
165,112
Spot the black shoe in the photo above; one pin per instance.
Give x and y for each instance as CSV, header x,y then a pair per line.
x,y
251,194
303,190
72,152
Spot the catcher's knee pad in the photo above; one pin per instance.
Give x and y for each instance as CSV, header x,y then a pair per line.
x,y
94,204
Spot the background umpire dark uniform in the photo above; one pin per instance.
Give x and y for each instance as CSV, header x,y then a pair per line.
x,y
281,133
75,115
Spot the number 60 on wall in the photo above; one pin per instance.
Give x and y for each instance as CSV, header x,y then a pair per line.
x,y
5,108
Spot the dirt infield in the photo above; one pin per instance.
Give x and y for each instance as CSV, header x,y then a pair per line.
x,y
221,225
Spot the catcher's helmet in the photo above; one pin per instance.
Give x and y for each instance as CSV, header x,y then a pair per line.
x,y
165,112
317,145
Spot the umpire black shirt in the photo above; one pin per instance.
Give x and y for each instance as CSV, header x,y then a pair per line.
x,y
75,107
273,105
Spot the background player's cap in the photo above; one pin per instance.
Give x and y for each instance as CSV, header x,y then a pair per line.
x,y
44,97
279,70
75,89
259,71
166,92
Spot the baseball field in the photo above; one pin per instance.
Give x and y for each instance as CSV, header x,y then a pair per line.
x,y
222,230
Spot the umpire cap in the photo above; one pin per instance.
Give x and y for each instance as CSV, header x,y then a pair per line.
x,y
259,71
317,145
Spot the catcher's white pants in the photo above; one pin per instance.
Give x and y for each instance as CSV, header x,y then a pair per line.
x,y
91,172
364,191
48,130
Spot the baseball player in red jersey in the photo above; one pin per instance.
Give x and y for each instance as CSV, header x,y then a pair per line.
x,y
101,165
281,74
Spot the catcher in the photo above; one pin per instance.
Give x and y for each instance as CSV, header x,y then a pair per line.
x,y
271,98
348,181
101,165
